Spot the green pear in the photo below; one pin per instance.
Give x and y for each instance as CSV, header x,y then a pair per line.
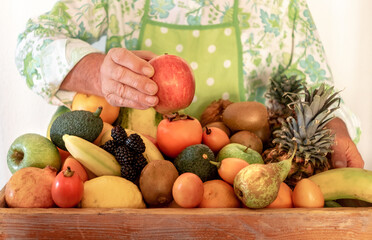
x,y
257,185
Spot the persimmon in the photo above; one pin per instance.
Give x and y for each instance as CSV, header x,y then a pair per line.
x,y
284,198
106,127
307,194
215,138
90,103
229,167
219,194
75,166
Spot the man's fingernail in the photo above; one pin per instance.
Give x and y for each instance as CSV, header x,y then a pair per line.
x,y
148,71
151,100
340,164
151,88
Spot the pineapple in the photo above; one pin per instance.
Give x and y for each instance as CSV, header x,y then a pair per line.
x,y
283,90
307,129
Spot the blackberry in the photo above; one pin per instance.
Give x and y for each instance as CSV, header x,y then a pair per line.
x,y
110,146
124,155
140,161
119,134
129,172
135,142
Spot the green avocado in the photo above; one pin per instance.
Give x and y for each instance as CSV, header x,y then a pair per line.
x,y
79,123
196,159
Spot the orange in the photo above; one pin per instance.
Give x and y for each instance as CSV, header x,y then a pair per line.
x,y
219,194
106,127
307,194
90,103
284,198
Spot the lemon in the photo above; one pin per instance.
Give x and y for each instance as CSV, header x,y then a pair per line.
x,y
111,192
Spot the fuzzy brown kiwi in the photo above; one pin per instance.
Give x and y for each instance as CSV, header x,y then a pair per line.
x,y
156,182
248,115
248,139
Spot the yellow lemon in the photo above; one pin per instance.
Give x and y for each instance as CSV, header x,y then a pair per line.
x,y
111,192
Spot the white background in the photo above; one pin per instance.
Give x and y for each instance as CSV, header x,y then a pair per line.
x,y
344,27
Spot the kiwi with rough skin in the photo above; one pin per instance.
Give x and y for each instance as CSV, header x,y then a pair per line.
x,y
221,126
248,139
156,182
249,115
264,133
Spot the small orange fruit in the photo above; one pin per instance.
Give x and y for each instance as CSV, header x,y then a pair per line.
x,y
219,194
90,103
284,198
307,194
106,127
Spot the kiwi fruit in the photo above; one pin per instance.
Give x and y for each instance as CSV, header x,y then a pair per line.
x,y
156,182
248,115
248,139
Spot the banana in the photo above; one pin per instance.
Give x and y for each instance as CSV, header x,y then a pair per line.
x,y
151,153
94,158
345,183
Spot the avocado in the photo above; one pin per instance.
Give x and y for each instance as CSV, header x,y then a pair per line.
x,y
60,110
79,123
196,159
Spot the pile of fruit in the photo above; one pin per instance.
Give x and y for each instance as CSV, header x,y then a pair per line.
x,y
238,154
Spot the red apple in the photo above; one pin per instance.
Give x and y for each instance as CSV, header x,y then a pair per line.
x,y
175,81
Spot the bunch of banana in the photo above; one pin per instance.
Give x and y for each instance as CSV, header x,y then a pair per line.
x,y
94,158
345,183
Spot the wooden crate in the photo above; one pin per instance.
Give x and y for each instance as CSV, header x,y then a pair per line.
x,y
167,223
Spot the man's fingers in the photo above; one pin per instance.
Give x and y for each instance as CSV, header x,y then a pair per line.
x,y
124,93
147,55
354,159
128,59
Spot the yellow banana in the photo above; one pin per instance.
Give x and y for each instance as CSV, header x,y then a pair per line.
x,y
151,153
345,183
94,158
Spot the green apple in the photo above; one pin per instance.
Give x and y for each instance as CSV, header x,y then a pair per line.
x,y
237,150
32,150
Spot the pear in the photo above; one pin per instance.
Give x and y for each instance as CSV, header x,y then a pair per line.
x,y
257,185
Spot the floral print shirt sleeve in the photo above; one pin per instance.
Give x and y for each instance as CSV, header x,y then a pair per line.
x,y
54,42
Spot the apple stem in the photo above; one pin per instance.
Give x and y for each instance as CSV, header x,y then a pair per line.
x,y
68,172
18,156
98,111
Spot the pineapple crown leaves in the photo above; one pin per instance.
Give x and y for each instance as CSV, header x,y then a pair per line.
x,y
283,85
307,127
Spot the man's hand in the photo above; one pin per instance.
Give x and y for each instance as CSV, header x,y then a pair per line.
x,y
345,152
125,79
121,76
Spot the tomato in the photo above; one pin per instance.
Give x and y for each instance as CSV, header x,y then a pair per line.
x,y
175,134
188,190
67,189
307,194
215,138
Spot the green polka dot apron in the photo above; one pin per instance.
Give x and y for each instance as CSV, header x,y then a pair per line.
x,y
213,52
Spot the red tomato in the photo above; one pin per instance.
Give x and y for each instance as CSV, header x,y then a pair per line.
x,y
67,189
174,135
215,138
